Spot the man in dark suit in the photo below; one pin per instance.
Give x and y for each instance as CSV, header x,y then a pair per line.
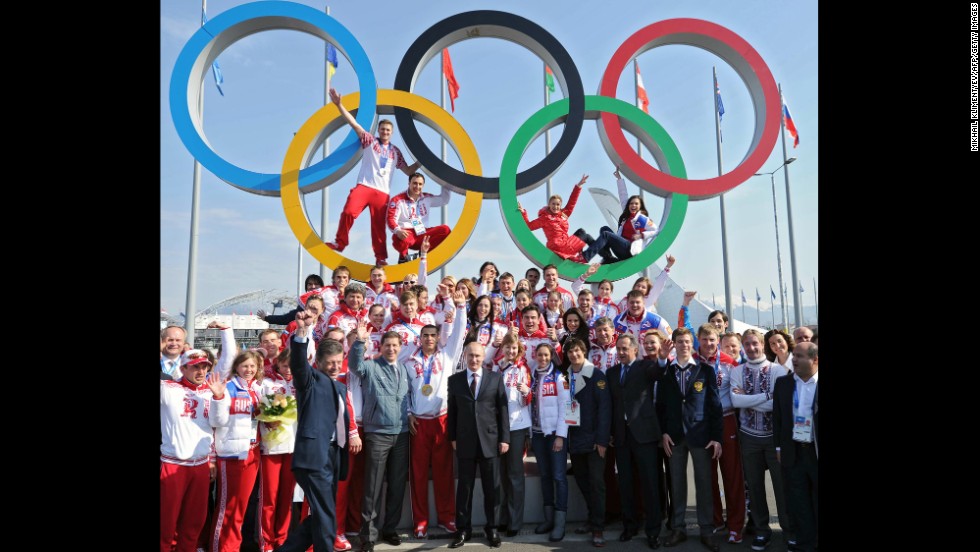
x,y
690,411
323,428
479,430
794,426
636,432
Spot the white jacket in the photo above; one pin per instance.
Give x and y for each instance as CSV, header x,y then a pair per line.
x,y
550,395
187,416
518,406
240,434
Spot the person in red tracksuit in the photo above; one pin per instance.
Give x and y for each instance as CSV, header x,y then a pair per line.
x,y
553,219
408,217
379,161
276,480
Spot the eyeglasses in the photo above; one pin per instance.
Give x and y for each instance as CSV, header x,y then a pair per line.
x,y
410,282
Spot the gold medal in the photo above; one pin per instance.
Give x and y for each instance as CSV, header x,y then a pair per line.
x,y
427,390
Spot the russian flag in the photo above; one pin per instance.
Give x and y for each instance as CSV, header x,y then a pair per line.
x,y
790,125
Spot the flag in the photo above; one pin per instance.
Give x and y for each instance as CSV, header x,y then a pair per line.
x,y
790,125
757,296
641,92
215,68
743,296
773,293
331,60
720,105
451,84
549,79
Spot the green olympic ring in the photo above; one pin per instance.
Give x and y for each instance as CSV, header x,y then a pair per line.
x,y
551,115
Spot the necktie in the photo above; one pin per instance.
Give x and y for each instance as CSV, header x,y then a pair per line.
x,y
623,372
341,427
473,385
684,381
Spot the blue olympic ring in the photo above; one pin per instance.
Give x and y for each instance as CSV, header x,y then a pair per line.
x,y
224,30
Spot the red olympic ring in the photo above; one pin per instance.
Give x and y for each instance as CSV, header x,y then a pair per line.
x,y
736,52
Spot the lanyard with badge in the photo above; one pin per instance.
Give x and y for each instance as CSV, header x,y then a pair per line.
x,y
427,374
573,414
416,219
383,171
802,425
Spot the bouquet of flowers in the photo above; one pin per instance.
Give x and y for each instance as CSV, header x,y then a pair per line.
x,y
279,413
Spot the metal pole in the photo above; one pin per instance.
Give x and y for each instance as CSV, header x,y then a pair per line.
x,y
299,270
721,198
779,259
442,102
816,309
547,133
195,211
743,312
639,152
325,203
797,299
758,313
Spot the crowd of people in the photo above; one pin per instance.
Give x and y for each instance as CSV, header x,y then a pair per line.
x,y
394,386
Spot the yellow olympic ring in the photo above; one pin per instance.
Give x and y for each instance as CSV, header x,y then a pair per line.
x,y
428,112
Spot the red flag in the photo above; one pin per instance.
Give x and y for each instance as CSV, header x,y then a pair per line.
x,y
451,84
641,92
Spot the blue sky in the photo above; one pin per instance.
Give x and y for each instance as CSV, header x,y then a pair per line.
x,y
274,81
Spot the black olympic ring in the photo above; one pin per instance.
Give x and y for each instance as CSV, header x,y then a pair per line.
x,y
495,24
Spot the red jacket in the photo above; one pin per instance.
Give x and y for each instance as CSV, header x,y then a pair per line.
x,y
556,229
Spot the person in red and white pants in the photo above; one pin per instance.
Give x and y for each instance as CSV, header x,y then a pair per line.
x,y
189,408
237,447
276,480
379,161
429,368
408,217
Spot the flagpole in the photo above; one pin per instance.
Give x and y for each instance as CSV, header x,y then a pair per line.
x,y
743,307
758,313
816,311
798,307
442,102
773,309
195,224
639,153
779,258
325,203
547,133
721,198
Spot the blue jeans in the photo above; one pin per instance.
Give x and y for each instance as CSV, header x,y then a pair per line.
x,y
552,467
615,244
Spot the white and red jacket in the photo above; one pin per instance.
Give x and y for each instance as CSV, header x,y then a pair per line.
x,y
518,406
241,433
440,365
540,298
626,323
550,392
332,298
353,408
555,227
659,283
272,384
486,334
531,341
603,358
188,414
601,306
346,318
370,173
403,209
410,332
387,298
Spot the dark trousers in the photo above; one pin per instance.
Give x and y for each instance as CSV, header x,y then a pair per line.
x,y
489,476
588,468
802,493
320,489
645,456
385,455
701,458
511,497
759,455
615,244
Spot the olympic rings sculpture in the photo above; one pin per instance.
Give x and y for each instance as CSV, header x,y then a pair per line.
x,y
612,117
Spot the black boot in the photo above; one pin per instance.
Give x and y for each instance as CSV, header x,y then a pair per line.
x,y
584,236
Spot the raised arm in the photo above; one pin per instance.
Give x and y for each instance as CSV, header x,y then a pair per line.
x,y
335,98
659,284
454,347
579,282
228,348
621,187
573,198
423,262
532,224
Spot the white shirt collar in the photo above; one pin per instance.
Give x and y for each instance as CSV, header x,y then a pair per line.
x,y
812,379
